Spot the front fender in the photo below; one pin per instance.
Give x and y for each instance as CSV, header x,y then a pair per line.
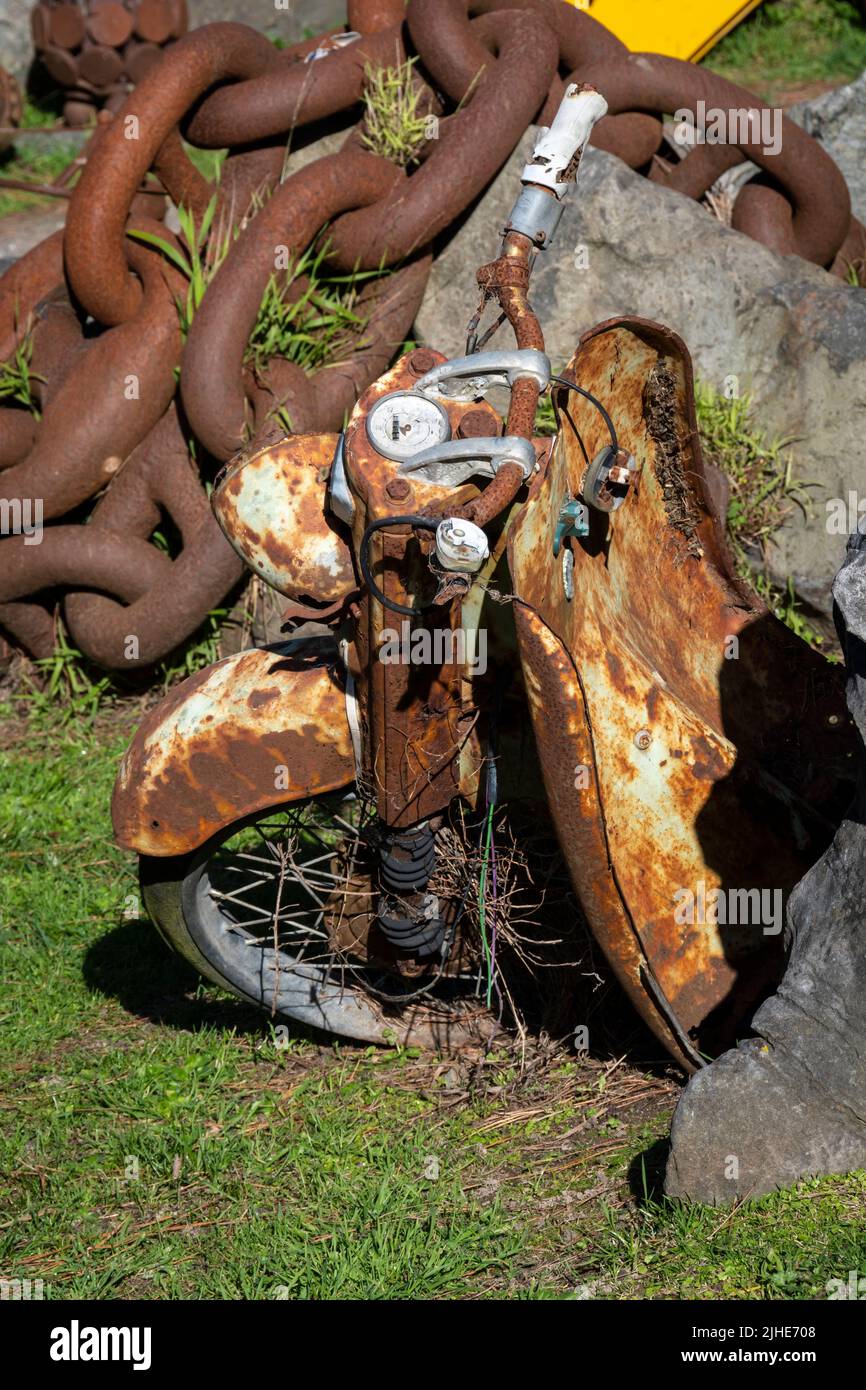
x,y
258,729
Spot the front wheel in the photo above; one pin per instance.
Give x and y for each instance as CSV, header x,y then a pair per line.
x,y
281,910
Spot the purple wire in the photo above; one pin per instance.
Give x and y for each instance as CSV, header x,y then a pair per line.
x,y
493,903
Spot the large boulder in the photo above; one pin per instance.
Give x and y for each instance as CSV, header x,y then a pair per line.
x,y
790,1101
775,327
838,121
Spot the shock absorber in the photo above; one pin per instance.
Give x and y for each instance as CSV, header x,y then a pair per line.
x,y
408,913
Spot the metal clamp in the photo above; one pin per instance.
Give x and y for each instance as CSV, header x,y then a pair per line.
x,y
536,215
457,461
573,520
468,378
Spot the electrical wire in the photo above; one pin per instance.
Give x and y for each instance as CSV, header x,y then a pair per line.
x,y
421,523
581,391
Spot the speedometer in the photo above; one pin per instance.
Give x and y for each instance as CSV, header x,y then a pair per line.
x,y
402,424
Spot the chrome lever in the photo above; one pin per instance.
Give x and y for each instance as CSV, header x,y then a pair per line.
x,y
458,460
468,378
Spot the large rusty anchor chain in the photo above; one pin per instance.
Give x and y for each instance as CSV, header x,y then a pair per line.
x,y
125,401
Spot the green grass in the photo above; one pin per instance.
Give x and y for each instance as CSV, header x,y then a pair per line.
x,y
36,165
26,161
394,127
785,44
47,110
160,1140
208,162
763,490
545,416
316,327
197,261
17,376
65,688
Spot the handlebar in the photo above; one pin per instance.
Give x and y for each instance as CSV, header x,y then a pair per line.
x,y
547,178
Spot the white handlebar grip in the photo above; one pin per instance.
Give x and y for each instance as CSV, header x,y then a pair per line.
x,y
558,148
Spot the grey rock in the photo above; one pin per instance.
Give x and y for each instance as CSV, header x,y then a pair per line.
x,y
16,45
791,1102
792,336
22,230
838,121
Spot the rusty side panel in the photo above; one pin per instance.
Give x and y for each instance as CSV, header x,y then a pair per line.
x,y
706,747
557,705
256,730
271,506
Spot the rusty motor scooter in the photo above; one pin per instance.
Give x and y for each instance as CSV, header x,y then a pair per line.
x,y
317,821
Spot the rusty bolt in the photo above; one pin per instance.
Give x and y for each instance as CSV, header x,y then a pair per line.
x,y
642,739
398,489
421,361
476,424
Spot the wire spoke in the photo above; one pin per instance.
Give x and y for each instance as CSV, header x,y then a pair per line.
x,y
288,887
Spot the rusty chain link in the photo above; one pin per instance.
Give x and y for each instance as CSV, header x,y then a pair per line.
x,y
126,403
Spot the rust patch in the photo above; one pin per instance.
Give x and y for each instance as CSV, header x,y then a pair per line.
x,y
262,697
256,730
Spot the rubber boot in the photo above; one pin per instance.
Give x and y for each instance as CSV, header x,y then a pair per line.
x,y
790,1102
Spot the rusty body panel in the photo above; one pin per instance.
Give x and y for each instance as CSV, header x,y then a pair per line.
x,y
259,729
688,741
272,507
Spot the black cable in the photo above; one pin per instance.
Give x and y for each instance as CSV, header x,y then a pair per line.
x,y
572,386
421,523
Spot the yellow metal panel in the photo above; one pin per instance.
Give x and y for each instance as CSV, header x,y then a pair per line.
x,y
669,26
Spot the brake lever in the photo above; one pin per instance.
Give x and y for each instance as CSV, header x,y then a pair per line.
x,y
455,462
469,378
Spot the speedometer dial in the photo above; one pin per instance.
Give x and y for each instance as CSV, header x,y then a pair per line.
x,y
404,423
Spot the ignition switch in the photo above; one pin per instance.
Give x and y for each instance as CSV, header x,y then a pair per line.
x,y
461,545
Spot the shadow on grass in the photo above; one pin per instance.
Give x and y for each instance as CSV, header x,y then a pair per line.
x,y
646,1173
133,965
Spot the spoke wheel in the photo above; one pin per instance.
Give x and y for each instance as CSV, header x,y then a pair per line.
x,y
281,910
